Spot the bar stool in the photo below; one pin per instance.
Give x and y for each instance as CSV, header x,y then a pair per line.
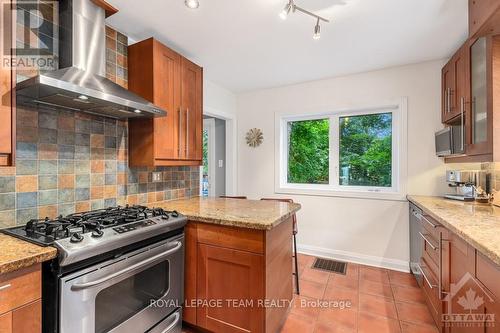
x,y
294,232
232,197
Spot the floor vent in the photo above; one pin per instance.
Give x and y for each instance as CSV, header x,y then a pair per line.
x,y
333,266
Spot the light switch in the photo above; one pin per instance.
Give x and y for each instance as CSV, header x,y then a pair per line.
x,y
221,163
156,177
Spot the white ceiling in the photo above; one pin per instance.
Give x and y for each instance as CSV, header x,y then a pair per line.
x,y
243,44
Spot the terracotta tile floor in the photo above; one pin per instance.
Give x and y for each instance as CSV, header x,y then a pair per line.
x,y
382,301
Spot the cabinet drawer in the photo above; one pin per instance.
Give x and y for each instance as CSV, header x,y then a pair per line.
x,y
430,287
20,287
431,246
233,238
431,226
430,264
488,273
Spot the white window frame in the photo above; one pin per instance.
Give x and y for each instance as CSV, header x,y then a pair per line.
x,y
399,154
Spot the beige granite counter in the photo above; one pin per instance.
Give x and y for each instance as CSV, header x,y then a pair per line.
x,y
477,224
252,214
16,254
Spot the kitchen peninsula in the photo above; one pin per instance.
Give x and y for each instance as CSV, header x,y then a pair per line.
x,y
237,250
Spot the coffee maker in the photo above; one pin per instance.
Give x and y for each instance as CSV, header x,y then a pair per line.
x,y
465,183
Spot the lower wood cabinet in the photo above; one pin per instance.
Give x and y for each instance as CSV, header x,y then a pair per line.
x,y
461,285
21,304
234,274
234,279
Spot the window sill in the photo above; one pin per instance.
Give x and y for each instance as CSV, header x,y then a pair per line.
x,y
387,196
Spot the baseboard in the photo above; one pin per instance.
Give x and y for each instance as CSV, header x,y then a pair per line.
x,y
394,264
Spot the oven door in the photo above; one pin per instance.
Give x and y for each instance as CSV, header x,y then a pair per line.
x,y
131,293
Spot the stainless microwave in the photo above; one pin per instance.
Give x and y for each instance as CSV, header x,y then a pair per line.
x,y
449,141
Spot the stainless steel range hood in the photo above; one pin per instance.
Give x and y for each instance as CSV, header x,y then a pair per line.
x,y
80,84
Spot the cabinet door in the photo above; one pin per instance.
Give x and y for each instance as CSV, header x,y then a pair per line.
x,y
7,107
227,274
448,88
462,267
167,96
6,323
191,92
27,318
480,122
483,16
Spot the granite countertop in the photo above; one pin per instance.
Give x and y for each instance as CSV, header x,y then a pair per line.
x,y
16,254
252,214
477,224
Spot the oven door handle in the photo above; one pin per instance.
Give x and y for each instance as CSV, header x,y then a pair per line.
x,y
80,286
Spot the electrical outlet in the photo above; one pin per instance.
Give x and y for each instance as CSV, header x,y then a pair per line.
x,y
221,163
156,177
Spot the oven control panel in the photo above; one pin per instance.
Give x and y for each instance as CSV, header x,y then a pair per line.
x,y
134,226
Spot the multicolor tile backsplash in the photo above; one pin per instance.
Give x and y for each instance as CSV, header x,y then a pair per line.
x,y
68,162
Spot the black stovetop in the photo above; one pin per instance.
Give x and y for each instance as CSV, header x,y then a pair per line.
x,y
46,231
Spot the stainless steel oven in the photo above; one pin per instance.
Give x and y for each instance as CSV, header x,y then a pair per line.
x,y
136,292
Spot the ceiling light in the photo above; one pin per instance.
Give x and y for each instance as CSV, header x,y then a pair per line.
x,y
83,97
291,6
317,31
137,111
192,4
284,13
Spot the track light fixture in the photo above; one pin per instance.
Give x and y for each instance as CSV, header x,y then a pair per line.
x,y
317,31
192,4
292,7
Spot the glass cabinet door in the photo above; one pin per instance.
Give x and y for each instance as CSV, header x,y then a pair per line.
x,y
479,121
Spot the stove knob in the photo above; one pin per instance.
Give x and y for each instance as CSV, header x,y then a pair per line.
x,y
164,217
96,233
76,238
175,213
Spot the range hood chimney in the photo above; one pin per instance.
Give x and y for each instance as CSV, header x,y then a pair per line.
x,y
80,83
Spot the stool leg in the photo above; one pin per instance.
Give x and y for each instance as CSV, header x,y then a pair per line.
x,y
296,264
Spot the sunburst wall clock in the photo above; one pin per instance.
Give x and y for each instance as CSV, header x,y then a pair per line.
x,y
254,137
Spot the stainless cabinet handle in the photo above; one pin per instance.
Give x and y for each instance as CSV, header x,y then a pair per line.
x,y
432,286
434,247
446,100
449,99
179,132
427,221
6,286
187,131
462,131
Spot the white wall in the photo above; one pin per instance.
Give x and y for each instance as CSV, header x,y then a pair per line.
x,y
369,231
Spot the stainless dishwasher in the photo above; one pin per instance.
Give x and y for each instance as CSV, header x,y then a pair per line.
x,y
416,245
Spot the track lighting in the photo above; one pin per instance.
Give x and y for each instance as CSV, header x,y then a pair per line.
x,y
284,13
192,4
317,31
291,6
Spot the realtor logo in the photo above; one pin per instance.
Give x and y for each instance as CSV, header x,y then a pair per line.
x,y
467,304
30,34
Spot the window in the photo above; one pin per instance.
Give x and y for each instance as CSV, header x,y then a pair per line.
x,y
350,153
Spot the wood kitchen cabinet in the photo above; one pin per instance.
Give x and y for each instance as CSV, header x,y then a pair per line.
x,y
484,17
242,268
7,98
451,268
175,84
477,98
21,304
456,86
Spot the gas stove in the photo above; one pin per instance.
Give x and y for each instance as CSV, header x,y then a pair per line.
x,y
81,236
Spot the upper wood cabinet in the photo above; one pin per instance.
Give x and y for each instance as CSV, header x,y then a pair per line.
x,y
7,100
484,17
175,84
473,76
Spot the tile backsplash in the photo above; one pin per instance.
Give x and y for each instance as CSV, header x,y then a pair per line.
x,y
69,162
